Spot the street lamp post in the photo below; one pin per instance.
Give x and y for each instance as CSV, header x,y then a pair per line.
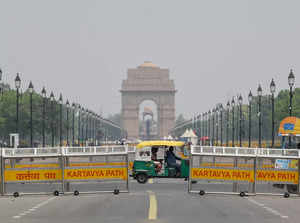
x,y
272,89
227,122
209,133
68,106
217,125
250,97
259,93
291,81
2,86
232,106
213,126
205,127
30,89
234,185
221,117
44,114
82,125
73,123
87,126
200,127
79,127
60,120
18,85
240,103
52,118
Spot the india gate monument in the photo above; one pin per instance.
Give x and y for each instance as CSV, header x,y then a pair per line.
x,y
148,82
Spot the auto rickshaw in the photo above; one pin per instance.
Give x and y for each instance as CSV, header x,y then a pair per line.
x,y
150,160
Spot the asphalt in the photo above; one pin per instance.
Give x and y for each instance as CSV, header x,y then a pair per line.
x,y
160,200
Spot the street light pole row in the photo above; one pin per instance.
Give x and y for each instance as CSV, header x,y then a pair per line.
x,y
91,126
207,124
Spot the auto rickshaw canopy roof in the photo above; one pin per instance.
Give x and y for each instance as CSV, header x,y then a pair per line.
x,y
289,126
159,143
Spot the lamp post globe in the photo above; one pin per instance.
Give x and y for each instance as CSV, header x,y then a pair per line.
x,y
291,78
18,81
259,90
272,86
30,88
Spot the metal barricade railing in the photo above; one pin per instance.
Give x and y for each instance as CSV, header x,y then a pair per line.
x,y
59,170
96,169
31,171
244,171
277,172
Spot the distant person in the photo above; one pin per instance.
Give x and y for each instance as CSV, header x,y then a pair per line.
x,y
171,159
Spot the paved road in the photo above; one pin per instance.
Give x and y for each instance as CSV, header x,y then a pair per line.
x,y
161,200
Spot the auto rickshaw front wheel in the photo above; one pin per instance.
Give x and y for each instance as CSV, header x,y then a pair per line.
x,y
142,178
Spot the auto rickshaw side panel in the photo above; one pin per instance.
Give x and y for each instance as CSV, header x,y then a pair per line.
x,y
143,166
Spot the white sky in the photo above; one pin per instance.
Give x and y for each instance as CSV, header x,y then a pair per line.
x,y
214,49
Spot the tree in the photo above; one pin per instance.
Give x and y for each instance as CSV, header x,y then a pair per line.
x,y
180,119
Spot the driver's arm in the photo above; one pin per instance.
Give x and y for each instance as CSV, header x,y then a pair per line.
x,y
176,157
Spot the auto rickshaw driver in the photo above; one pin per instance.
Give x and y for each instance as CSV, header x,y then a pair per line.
x,y
171,160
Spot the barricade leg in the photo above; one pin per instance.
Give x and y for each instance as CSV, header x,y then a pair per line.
x,y
254,183
2,176
234,184
127,182
62,163
298,177
67,163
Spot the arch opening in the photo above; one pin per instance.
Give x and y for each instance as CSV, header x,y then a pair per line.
x,y
148,120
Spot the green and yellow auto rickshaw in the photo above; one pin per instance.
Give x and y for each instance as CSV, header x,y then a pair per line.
x,y
151,160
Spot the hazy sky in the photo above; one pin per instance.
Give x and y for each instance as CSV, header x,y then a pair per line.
x,y
214,49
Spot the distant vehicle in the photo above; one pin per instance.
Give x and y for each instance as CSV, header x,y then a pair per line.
x,y
151,160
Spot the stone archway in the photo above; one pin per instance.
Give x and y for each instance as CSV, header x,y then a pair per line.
x,y
148,82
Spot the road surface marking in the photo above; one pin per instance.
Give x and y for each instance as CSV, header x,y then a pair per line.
x,y
152,206
21,214
271,210
150,181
